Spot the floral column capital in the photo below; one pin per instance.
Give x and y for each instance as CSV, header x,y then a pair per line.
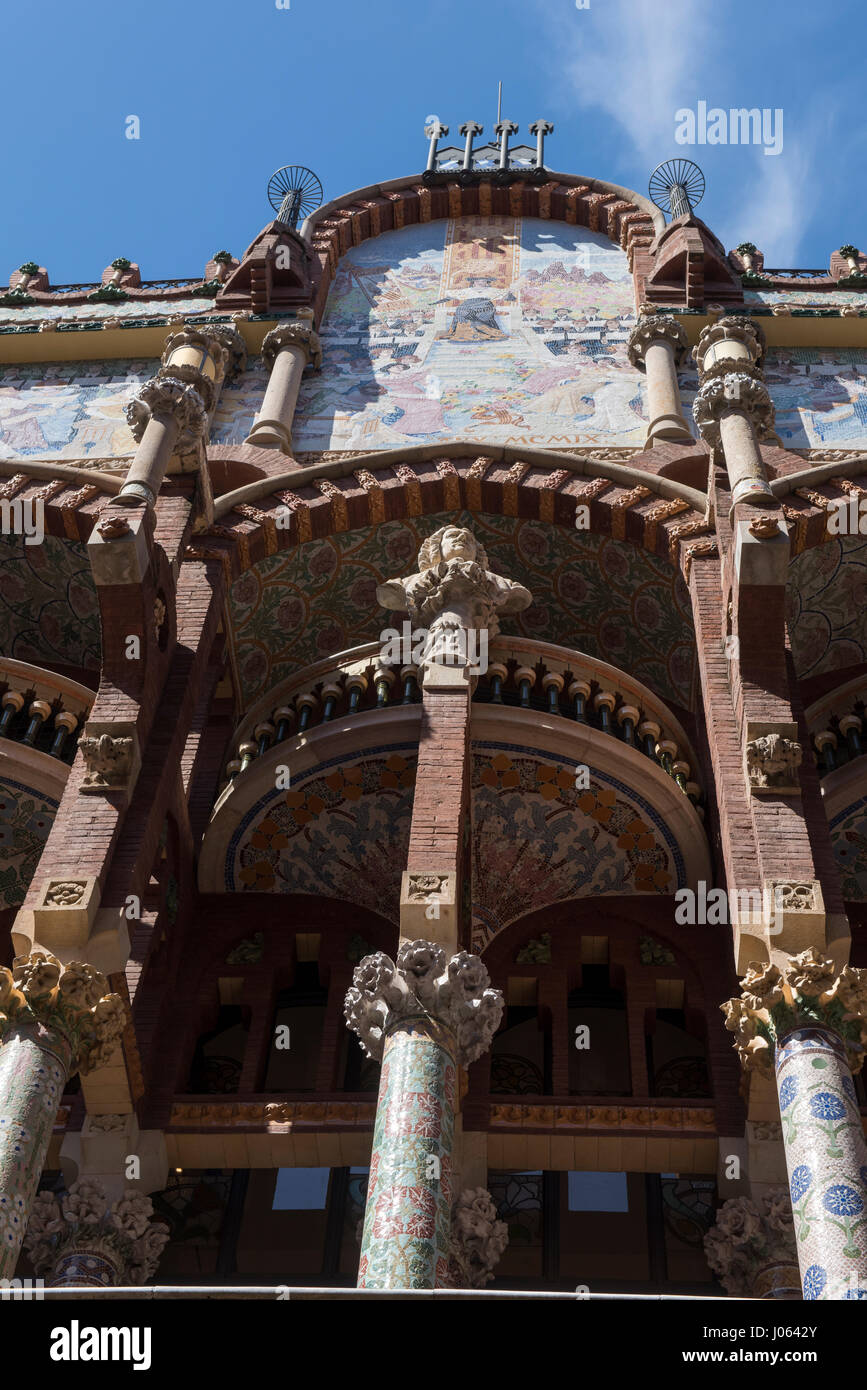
x,y
73,999
297,334
751,1248
80,1239
809,992
478,1239
177,400
656,328
453,993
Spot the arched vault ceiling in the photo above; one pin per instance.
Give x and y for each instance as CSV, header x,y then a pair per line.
x,y
48,609
601,596
827,606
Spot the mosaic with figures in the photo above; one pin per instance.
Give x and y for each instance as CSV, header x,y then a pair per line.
x,y
69,409
499,329
603,597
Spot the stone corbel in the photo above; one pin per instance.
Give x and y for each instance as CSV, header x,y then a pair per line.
x,y
428,906
772,756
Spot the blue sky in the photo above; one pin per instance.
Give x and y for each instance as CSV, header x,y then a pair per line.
x,y
228,91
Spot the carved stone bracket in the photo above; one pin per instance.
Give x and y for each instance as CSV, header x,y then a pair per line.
x,y
772,756
478,1239
455,993
111,756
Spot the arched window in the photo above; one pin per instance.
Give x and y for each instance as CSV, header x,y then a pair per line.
x,y
219,1054
299,1018
521,1053
676,1058
599,1064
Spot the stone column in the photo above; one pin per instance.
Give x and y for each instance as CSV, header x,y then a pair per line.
x,y
83,1241
751,1248
732,408
423,1017
165,416
54,1020
810,1020
286,350
657,346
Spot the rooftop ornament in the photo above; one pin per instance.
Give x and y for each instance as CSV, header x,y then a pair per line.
x,y
499,161
677,187
294,192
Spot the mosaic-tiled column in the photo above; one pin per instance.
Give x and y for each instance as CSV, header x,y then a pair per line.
x,y
423,1017
83,1241
810,1020
751,1248
54,1019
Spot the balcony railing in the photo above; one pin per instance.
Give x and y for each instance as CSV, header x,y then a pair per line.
x,y
521,674
41,710
838,726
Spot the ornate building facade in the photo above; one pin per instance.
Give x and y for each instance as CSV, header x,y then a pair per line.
x,y
433,821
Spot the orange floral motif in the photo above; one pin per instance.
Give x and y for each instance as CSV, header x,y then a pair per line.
x,y
500,773
397,773
598,804
554,781
648,879
268,835
304,806
346,781
636,836
259,876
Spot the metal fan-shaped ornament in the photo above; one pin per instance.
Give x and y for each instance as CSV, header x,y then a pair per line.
x,y
294,192
677,186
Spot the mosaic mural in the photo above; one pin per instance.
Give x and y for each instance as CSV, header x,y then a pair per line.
x,y
603,597
25,820
341,832
537,840
233,418
500,329
849,840
68,409
807,299
820,397
827,606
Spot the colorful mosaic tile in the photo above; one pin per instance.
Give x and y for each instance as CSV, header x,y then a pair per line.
x,y
491,328
69,409
603,597
827,606
849,839
538,840
26,817
48,607
820,397
238,404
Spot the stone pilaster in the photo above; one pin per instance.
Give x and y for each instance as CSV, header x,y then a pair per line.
x,y
808,1024
54,1020
657,346
423,1017
83,1241
751,1248
286,351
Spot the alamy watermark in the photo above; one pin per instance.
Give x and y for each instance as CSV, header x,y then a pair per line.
x,y
23,518
711,907
447,647
737,126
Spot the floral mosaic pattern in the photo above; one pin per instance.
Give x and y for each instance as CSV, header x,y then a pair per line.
x,y
827,1161
604,597
491,328
537,840
342,832
849,839
406,1224
48,607
26,817
69,409
827,606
